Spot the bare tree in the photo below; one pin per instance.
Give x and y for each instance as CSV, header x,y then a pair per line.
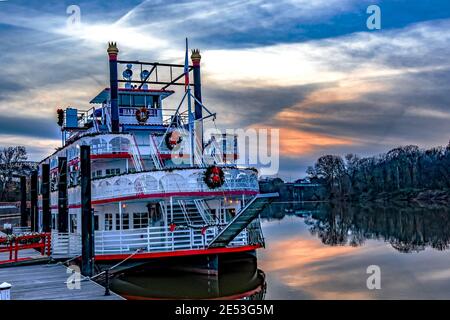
x,y
11,164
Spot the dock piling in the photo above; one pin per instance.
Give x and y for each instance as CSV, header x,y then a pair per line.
x,y
107,292
45,190
34,202
23,202
62,195
87,214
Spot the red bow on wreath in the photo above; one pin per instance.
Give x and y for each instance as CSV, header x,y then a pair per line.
x,y
214,177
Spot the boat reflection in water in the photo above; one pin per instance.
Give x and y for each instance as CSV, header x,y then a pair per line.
x,y
241,280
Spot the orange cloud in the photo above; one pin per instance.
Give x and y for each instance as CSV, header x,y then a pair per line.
x,y
294,143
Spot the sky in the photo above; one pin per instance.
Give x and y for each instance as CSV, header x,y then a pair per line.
x,y
310,68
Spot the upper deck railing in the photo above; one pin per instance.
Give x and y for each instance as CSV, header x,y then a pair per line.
x,y
159,182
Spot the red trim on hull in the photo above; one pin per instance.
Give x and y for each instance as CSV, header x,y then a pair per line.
x,y
175,194
179,253
166,195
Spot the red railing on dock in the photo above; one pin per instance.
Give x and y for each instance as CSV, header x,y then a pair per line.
x,y
41,242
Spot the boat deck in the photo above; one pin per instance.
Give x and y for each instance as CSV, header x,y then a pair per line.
x,y
48,282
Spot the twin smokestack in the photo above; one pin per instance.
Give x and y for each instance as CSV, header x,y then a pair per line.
x,y
113,52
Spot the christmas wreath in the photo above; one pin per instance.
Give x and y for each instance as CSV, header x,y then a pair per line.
x,y
173,139
214,177
142,115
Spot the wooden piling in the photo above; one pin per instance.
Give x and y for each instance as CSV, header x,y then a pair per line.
x,y
45,190
23,202
34,202
87,215
63,216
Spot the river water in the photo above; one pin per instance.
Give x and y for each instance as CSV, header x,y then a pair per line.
x,y
323,251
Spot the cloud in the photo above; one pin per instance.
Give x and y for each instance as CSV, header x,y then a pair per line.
x,y
262,66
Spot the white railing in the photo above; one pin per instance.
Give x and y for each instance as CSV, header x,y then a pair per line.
x,y
66,244
151,239
108,117
157,239
154,153
189,180
136,155
216,152
182,205
20,230
204,211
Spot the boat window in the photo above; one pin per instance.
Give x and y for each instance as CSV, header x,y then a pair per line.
x,y
96,222
140,220
111,172
139,101
108,221
125,221
117,222
125,100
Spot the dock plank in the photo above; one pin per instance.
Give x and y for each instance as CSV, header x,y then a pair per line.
x,y
48,282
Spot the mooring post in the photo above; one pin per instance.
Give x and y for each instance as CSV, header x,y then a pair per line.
x,y
34,201
23,202
45,191
63,217
107,292
87,214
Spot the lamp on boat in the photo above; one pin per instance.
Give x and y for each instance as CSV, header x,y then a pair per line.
x,y
144,75
128,75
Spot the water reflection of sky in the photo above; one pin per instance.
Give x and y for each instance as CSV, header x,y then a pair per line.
x,y
299,266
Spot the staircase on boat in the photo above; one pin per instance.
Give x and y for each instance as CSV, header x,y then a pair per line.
x,y
242,219
186,212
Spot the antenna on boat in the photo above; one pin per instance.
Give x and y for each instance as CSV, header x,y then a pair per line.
x,y
190,118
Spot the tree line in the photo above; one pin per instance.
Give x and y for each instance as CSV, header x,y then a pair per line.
x,y
13,164
401,169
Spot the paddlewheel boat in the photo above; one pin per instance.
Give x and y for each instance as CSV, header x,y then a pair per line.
x,y
159,187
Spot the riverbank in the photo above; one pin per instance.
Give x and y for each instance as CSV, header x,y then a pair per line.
x,y
407,195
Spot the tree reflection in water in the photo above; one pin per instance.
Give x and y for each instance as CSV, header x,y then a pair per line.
x,y
408,228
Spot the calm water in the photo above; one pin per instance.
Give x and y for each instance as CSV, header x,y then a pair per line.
x,y
316,251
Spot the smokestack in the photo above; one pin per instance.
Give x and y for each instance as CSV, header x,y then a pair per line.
x,y
196,57
112,52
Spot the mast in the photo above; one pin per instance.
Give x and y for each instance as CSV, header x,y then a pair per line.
x,y
190,118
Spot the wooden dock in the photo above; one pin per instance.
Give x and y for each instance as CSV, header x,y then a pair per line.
x,y
27,256
49,282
